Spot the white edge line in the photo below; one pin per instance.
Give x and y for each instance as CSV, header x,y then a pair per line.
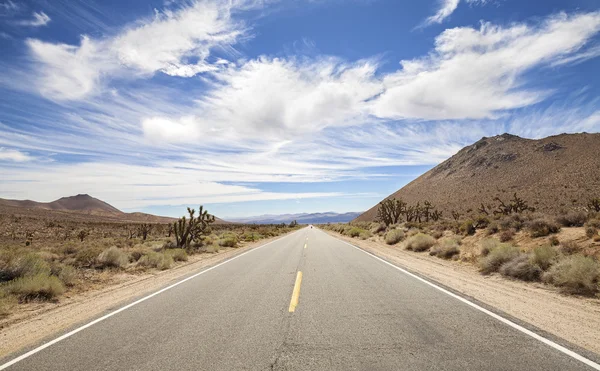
x,y
73,332
548,342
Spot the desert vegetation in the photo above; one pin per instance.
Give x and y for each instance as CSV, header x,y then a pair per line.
x,y
42,258
504,237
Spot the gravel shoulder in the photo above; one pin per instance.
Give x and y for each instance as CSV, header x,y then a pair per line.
x,y
45,320
574,319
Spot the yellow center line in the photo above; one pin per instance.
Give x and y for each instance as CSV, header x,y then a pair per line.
x,y
296,293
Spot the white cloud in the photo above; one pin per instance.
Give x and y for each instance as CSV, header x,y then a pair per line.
x,y
276,98
447,7
13,155
175,42
479,73
39,19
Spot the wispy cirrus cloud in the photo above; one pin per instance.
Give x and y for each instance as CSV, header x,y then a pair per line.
x,y
446,8
39,19
13,155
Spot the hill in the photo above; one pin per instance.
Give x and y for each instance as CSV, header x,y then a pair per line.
x,y
303,218
80,206
553,174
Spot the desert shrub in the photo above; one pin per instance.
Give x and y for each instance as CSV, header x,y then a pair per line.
x,y
498,255
513,221
251,236
211,249
394,236
541,227
482,222
521,267
170,244
590,232
7,302
113,258
136,253
446,248
569,248
506,235
544,256
554,241
488,245
38,287
157,260
572,219
68,248
594,223
228,241
67,275
575,274
377,228
355,232
87,257
492,228
20,264
365,234
178,255
437,234
419,242
467,227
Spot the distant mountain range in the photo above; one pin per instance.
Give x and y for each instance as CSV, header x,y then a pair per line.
x,y
303,218
84,204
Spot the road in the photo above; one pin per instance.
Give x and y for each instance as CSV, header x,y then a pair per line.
x,y
353,312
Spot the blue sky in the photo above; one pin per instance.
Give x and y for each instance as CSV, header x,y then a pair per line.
x,y
277,106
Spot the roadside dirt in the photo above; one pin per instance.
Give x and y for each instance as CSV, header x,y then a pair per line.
x,y
574,319
44,320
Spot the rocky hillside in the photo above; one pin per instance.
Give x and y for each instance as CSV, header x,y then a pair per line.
x,y
553,174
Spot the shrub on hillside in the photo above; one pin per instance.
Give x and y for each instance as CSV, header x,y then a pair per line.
x,y
544,256
38,287
506,235
467,227
446,248
355,232
113,257
67,275
394,236
419,242
513,221
88,256
497,256
590,232
572,219
521,267
228,241
365,234
377,228
492,228
575,274
554,241
569,248
541,227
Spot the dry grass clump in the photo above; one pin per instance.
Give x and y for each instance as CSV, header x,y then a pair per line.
x,y
228,240
497,255
506,235
513,221
492,228
355,232
178,255
15,264
541,227
419,242
394,236
157,260
88,256
544,256
113,257
68,275
521,267
576,274
554,241
572,219
569,248
38,287
446,248
377,228
467,227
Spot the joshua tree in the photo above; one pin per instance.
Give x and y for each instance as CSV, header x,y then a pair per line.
x,y
293,223
82,234
188,230
594,204
456,215
391,210
516,205
144,229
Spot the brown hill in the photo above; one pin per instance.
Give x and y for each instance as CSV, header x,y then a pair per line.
x,y
87,205
553,174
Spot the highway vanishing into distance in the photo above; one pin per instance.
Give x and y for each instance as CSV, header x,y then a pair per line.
x,y
307,301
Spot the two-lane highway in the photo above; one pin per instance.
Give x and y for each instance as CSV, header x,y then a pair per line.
x,y
307,301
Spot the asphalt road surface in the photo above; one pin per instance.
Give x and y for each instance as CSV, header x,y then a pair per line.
x,y
345,311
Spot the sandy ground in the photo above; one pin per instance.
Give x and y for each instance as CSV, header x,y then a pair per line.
x,y
574,319
43,321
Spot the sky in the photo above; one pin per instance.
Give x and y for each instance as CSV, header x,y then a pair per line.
x,y
256,107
